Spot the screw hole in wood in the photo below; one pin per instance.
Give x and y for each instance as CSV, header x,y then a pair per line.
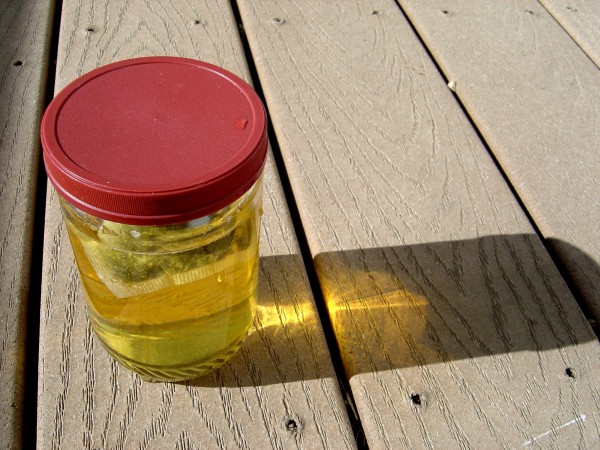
x,y
292,425
416,399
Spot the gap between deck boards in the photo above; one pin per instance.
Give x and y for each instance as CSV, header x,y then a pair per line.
x,y
325,320
29,429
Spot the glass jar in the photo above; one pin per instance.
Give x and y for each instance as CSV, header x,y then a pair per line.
x,y
167,253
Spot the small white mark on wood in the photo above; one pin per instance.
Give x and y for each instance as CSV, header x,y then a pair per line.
x,y
452,85
581,419
350,403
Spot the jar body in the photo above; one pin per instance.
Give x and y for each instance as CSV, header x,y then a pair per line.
x,y
170,302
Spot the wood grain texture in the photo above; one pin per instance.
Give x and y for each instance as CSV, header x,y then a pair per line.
x,y
280,390
24,42
455,327
581,19
533,93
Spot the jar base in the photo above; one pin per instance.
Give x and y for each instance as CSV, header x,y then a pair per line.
x,y
188,372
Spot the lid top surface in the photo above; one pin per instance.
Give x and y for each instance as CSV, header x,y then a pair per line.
x,y
141,127
153,125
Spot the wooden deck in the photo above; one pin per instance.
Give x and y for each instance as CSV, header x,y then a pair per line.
x,y
430,257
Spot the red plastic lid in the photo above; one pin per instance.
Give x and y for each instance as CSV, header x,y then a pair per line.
x,y
153,141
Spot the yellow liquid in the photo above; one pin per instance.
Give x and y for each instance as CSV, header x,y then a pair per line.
x,y
176,314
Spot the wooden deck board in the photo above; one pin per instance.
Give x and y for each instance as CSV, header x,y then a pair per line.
x,y
24,45
533,93
581,19
282,373
455,327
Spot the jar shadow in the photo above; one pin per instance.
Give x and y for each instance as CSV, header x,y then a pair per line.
x,y
406,306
